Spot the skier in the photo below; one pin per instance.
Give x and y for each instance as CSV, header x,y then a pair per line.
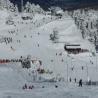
x,y
75,80
38,45
62,60
70,79
31,87
51,60
56,86
43,86
80,83
25,86
82,67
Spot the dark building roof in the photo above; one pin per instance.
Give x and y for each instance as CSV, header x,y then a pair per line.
x,y
73,46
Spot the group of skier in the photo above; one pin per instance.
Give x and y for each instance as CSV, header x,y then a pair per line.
x,y
30,87
75,80
27,87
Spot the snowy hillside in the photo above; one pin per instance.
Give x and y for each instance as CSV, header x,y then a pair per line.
x,y
23,34
32,37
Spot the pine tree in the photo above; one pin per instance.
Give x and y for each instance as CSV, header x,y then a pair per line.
x,y
27,7
16,8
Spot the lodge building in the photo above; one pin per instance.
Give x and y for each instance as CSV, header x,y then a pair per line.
x,y
74,49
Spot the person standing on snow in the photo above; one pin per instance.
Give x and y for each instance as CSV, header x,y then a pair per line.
x,y
80,83
70,79
75,80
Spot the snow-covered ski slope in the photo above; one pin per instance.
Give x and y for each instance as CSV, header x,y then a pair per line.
x,y
32,37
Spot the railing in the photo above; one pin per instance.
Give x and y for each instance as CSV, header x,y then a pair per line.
x,y
91,83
